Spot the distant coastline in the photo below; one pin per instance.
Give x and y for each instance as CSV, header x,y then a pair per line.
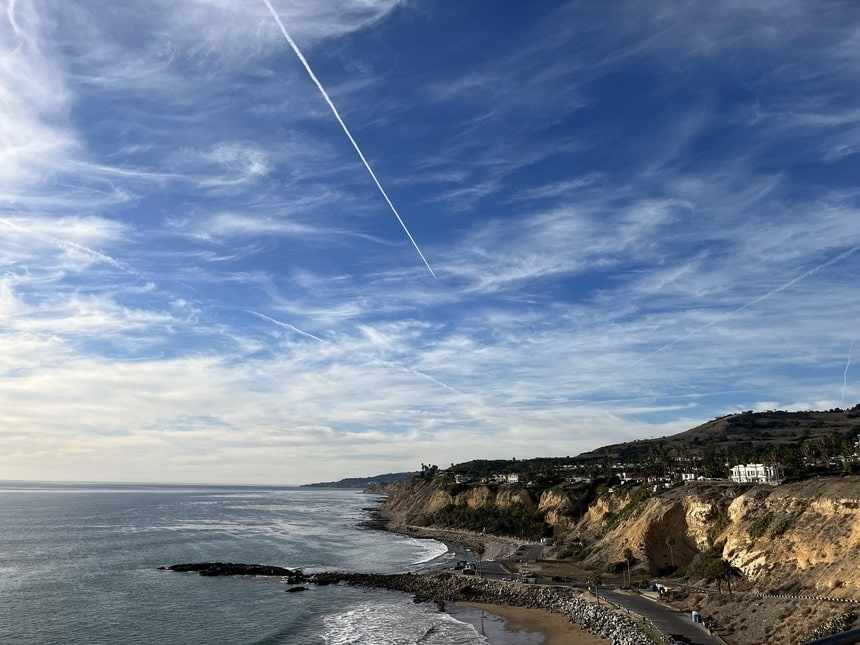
x,y
363,482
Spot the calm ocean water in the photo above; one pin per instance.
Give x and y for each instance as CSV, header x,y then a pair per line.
x,y
78,564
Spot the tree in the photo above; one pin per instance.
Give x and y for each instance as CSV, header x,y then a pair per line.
x,y
731,572
480,548
713,461
810,452
721,570
628,558
595,579
669,542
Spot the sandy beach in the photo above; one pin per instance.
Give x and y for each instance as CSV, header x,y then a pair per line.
x,y
506,624
554,629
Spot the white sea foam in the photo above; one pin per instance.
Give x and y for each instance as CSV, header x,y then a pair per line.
x,y
429,550
398,621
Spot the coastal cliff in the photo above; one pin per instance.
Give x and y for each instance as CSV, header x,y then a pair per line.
x,y
794,547
798,536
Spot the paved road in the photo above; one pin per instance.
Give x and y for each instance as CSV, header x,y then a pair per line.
x,y
666,619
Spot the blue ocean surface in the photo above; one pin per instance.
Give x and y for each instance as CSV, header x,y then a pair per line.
x,y
79,564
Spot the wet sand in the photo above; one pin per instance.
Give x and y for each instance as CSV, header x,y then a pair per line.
x,y
524,626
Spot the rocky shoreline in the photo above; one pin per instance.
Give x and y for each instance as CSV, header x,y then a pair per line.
x,y
443,587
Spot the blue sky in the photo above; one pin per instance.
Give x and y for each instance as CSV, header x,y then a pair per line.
x,y
640,216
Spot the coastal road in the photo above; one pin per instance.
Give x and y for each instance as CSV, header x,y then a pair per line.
x,y
666,619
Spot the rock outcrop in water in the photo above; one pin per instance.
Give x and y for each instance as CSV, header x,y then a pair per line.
x,y
292,576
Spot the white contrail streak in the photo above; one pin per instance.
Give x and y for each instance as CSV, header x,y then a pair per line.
x,y
345,129
10,13
285,325
369,358
845,373
68,245
746,306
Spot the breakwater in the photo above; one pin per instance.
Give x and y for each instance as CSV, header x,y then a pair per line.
x,y
442,587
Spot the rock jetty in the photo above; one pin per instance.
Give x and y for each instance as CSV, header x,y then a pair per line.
x,y
292,576
600,620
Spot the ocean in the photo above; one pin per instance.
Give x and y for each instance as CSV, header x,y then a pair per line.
x,y
79,564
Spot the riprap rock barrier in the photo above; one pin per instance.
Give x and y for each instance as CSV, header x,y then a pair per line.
x,y
598,619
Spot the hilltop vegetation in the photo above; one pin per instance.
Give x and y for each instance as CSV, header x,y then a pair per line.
x,y
804,442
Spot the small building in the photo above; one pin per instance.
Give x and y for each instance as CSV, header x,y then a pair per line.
x,y
758,474
627,476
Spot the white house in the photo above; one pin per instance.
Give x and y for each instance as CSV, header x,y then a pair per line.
x,y
757,474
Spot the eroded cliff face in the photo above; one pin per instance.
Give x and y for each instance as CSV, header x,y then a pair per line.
x,y
662,531
796,538
558,509
415,501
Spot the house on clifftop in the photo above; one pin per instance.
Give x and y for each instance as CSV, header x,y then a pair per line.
x,y
758,474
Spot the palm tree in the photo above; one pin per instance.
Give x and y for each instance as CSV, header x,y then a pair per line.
x,y
595,579
731,572
669,542
721,570
480,548
628,558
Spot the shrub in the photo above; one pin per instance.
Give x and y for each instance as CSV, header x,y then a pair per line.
x,y
575,554
780,527
759,526
516,520
762,494
639,496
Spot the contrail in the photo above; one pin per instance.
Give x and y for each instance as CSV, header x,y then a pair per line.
x,y
432,379
10,13
68,245
845,373
746,306
285,325
345,129
369,358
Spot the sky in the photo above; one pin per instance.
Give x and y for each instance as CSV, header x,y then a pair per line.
x,y
292,241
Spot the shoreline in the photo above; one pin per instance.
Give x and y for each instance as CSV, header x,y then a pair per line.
x,y
542,622
506,624
521,622
443,587
495,546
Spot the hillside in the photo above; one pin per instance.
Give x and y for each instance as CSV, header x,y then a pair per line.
x,y
745,432
744,437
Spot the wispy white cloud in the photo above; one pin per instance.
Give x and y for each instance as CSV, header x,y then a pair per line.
x,y
642,218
